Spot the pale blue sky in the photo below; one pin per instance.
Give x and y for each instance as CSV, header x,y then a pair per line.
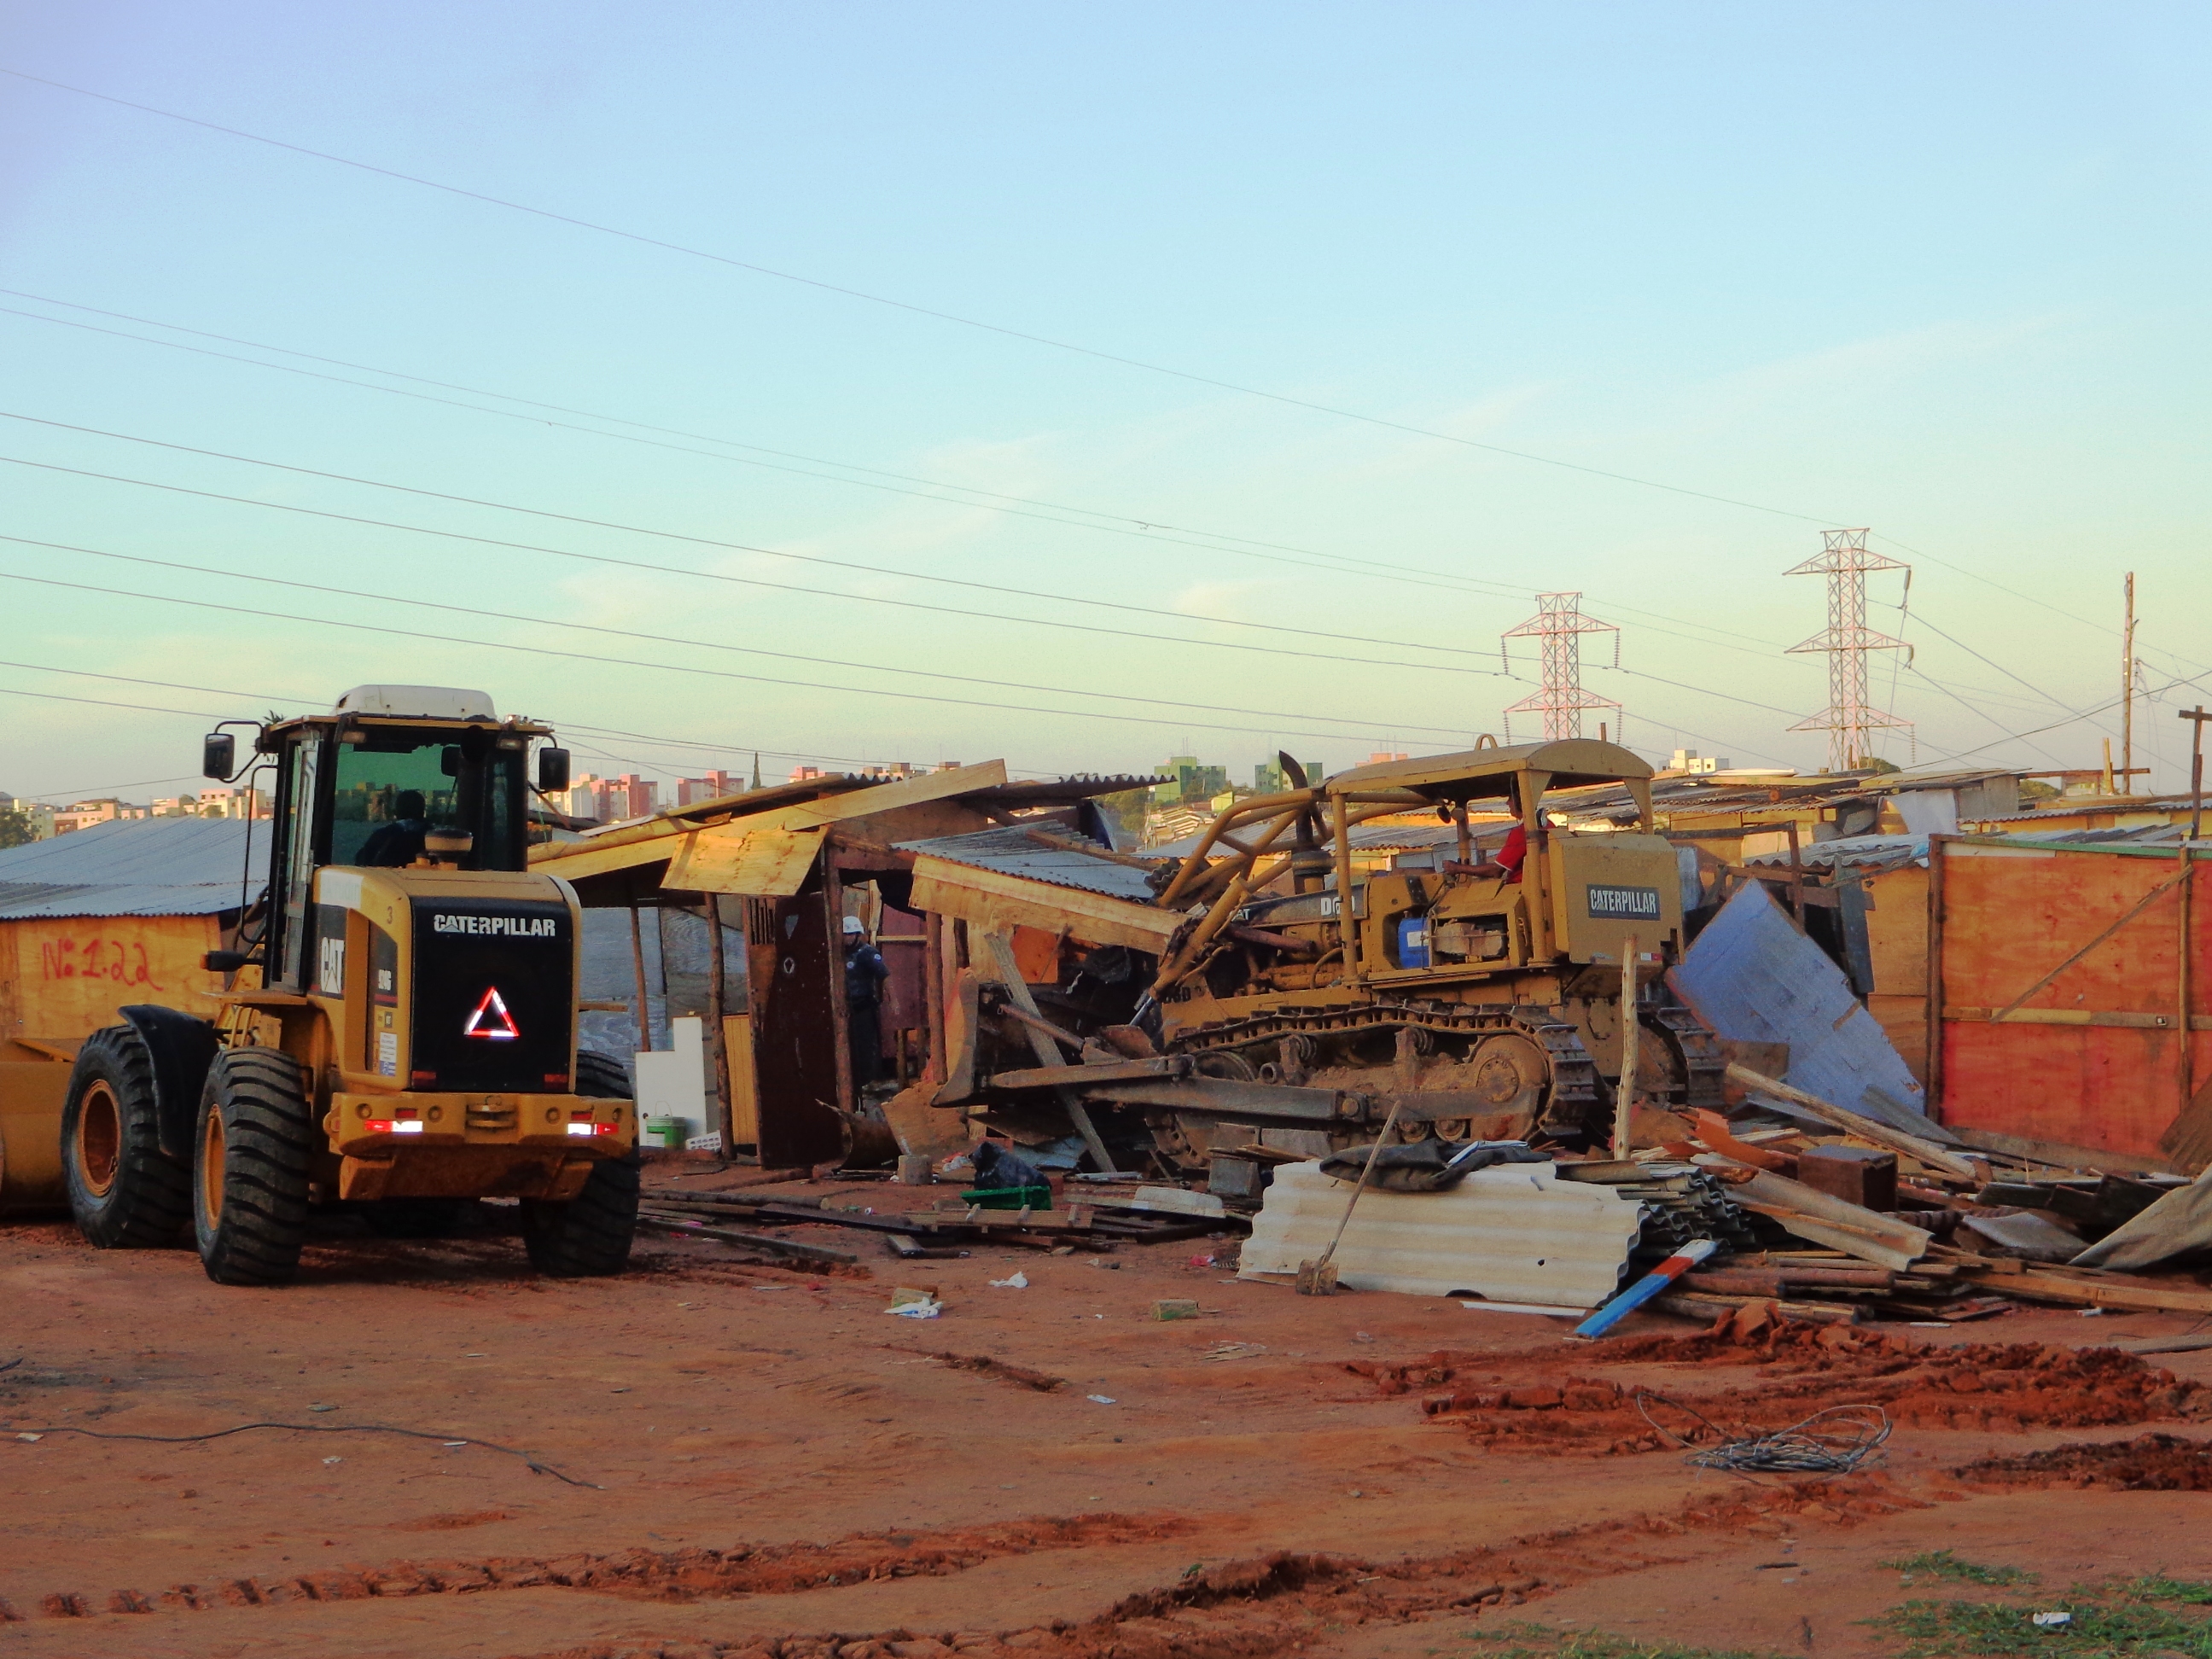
x,y
1941,271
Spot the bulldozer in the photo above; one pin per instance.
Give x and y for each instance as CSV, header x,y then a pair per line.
x,y
398,1038
1304,1004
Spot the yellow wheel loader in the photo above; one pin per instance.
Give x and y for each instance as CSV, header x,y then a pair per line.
x,y
401,1038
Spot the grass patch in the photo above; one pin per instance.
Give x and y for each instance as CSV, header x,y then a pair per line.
x,y
1946,1564
1537,1642
2129,1619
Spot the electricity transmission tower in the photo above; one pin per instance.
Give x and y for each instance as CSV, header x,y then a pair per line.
x,y
1560,624
1848,719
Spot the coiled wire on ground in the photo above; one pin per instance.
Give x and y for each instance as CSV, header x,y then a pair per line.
x,y
1840,1440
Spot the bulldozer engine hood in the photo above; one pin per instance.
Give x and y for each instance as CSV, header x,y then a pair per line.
x,y
451,980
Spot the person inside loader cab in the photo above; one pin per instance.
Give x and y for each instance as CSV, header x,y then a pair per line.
x,y
865,973
398,844
1511,856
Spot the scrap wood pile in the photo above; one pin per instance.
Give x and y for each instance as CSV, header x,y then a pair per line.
x,y
1099,1218
1857,1217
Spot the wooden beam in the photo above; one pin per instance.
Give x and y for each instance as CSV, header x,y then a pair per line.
x,y
1000,950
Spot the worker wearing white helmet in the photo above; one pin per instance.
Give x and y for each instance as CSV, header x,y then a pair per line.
x,y
865,973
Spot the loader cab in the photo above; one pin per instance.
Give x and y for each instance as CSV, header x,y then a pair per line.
x,y
345,780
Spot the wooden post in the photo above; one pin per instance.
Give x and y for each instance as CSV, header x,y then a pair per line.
x,y
932,995
1624,1097
833,902
2184,1030
1935,845
2198,717
717,1008
1796,877
2128,691
644,1009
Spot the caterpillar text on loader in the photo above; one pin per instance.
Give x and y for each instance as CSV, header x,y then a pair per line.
x,y
403,1038
1478,1003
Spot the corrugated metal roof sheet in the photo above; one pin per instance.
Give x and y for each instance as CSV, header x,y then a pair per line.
x,y
1016,851
1754,978
1852,852
1512,1233
136,868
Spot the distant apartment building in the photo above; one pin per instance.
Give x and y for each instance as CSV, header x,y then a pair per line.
x,y
690,792
609,800
84,814
1267,777
37,814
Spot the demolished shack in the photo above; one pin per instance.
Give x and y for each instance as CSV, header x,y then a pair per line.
x,y
781,867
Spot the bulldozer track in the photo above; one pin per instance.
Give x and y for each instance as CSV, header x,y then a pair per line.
x,y
1573,1092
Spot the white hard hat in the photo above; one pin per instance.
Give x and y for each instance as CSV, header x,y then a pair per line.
x,y
855,924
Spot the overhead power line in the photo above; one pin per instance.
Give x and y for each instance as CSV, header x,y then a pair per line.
x,y
1167,722
665,245
587,522
1144,528
414,603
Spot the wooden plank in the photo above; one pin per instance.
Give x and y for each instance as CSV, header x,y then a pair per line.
x,y
993,901
2064,1288
1000,950
2119,1019
744,1095
682,1229
1866,1128
757,864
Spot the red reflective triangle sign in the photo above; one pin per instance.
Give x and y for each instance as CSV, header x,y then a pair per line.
x,y
491,1020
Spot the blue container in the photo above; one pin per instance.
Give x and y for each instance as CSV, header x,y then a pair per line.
x,y
1414,942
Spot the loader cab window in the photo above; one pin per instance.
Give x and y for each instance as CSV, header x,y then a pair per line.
x,y
393,787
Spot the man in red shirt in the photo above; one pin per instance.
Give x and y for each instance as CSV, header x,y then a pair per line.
x,y
1506,865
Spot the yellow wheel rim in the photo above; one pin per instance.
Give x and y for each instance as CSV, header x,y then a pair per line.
x,y
99,1139
211,1156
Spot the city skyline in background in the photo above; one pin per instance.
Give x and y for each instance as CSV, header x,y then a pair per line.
x,y
1074,391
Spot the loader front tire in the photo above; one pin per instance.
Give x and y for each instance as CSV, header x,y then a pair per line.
x,y
125,1193
590,1235
256,1143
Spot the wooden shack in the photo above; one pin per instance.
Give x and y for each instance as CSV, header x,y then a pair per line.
x,y
2067,984
117,914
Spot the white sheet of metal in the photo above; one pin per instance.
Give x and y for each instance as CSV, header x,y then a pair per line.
x,y
1514,1233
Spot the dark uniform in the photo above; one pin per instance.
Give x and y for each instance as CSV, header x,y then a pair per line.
x,y
865,973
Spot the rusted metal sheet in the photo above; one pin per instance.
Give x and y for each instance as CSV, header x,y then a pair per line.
x,y
2061,979
996,902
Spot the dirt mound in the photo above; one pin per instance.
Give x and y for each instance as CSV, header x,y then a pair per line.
x,y
1525,1402
2149,1462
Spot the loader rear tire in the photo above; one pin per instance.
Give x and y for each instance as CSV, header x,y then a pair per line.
x,y
257,1140
125,1193
590,1235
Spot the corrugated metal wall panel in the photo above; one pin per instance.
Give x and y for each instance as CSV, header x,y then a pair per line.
x,y
1516,1233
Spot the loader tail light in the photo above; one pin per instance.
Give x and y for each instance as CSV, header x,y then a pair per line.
x,y
590,1128
387,1125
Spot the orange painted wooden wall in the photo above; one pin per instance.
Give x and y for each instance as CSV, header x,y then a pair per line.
x,y
62,977
2112,1078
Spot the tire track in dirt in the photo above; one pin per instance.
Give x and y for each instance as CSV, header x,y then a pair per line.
x,y
1525,1403
684,1574
1265,1604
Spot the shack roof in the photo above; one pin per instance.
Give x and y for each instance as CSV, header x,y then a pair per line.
x,y
1051,854
1445,777
136,868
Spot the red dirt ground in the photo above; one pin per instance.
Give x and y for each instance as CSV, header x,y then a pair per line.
x,y
775,1467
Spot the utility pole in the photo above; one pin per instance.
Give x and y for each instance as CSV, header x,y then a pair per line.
x,y
2128,688
1560,624
1845,560
2196,768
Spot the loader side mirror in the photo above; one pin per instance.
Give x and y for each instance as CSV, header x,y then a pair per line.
x,y
218,756
449,760
552,771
